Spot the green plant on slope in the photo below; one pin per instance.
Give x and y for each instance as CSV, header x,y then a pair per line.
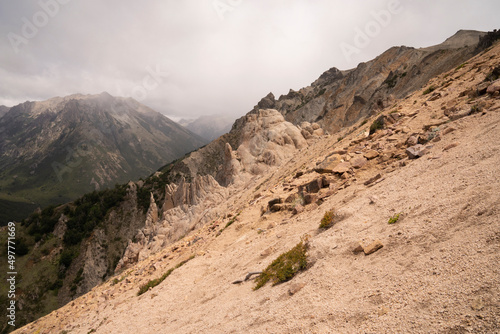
x,y
328,220
285,267
152,283
394,218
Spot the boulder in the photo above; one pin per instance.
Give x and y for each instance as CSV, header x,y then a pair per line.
x,y
373,247
342,168
416,151
494,87
371,154
358,162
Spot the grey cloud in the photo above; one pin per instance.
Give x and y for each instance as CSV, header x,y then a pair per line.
x,y
213,65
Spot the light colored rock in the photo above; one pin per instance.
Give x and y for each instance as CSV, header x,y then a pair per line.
x,y
417,151
373,247
371,154
358,161
494,87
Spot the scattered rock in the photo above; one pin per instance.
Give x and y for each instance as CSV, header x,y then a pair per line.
x,y
494,87
358,162
297,209
327,165
373,179
373,247
449,147
294,288
412,140
358,249
482,88
371,154
274,201
477,304
310,198
342,168
435,97
448,130
312,187
417,151
459,114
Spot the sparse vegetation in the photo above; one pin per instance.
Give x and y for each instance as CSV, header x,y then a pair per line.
x,y
394,218
460,66
378,124
285,267
152,283
475,108
328,220
429,89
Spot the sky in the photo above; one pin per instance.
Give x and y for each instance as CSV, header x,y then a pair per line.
x,y
200,57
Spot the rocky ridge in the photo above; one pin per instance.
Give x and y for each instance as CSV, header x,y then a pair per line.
x,y
434,269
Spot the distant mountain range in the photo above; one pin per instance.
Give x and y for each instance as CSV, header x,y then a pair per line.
x,y
209,127
56,150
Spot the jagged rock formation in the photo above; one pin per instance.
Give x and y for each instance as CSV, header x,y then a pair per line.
x,y
186,206
340,98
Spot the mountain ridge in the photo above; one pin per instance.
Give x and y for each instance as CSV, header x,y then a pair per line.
x,y
88,141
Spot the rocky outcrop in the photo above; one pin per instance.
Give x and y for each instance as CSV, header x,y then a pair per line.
x,y
340,98
186,206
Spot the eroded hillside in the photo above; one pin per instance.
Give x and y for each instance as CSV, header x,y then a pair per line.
x,y
419,178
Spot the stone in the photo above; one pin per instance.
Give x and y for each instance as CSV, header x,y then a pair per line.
x,y
342,168
459,114
373,247
482,88
477,304
297,209
412,140
448,130
327,165
494,87
373,179
275,201
358,162
358,248
310,198
449,147
416,151
435,97
371,154
312,187
294,288
292,198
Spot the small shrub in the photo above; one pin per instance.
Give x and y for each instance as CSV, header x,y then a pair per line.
x,y
430,89
152,283
394,218
285,267
475,108
328,220
378,124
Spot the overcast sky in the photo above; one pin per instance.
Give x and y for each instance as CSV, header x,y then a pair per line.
x,y
192,57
